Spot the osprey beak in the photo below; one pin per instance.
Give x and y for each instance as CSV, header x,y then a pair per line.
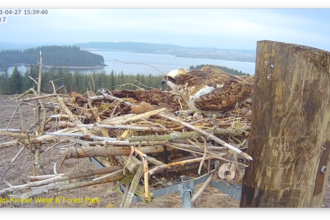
x,y
164,81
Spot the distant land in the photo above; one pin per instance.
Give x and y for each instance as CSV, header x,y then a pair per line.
x,y
56,56
170,49
139,47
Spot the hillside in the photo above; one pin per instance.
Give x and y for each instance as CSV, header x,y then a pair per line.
x,y
52,56
179,51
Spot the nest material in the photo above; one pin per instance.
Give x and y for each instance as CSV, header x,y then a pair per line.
x,y
136,134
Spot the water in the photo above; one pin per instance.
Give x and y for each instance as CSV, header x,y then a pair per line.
x,y
164,63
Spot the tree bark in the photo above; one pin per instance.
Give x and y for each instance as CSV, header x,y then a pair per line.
x,y
290,131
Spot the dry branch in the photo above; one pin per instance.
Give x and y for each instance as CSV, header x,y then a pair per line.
x,y
140,116
58,178
65,185
130,192
8,144
109,97
210,136
129,127
109,151
171,166
43,97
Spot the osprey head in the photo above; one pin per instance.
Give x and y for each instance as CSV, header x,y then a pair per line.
x,y
170,77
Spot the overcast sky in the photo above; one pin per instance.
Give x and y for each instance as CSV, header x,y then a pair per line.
x,y
220,28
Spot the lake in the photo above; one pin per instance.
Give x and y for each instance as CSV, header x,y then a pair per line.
x,y
116,61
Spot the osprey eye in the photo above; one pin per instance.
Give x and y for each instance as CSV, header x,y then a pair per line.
x,y
166,77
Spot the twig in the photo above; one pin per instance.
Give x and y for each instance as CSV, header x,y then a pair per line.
x,y
204,155
11,130
12,161
51,147
146,180
33,80
185,135
94,137
93,83
20,113
43,97
109,97
141,64
200,191
139,116
211,136
162,168
126,202
130,127
59,183
98,151
72,117
8,143
12,116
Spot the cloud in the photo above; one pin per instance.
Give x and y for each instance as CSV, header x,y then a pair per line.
x,y
188,27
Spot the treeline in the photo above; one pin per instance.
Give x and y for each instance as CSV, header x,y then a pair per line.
x,y
52,56
226,69
19,82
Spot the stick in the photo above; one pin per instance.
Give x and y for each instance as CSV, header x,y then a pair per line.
x,y
80,152
211,136
139,116
171,166
15,135
51,147
72,117
12,161
43,97
141,64
121,143
145,171
79,135
59,178
130,127
146,180
126,202
65,185
200,191
204,155
33,80
8,144
185,135
109,97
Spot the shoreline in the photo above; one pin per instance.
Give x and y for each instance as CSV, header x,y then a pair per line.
x,y
63,67
76,67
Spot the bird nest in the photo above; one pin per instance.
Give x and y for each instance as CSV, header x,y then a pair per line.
x,y
135,135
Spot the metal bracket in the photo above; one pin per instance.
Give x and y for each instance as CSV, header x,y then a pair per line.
x,y
185,187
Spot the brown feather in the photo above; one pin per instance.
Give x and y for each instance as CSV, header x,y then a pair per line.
x,y
229,89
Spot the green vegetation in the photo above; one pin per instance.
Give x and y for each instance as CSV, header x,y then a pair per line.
x,y
226,69
54,56
18,82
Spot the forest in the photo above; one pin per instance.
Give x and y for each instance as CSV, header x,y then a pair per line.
x,y
56,56
18,82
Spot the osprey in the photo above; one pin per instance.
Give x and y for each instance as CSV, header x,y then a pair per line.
x,y
209,90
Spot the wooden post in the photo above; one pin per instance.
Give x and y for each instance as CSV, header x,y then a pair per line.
x,y
290,132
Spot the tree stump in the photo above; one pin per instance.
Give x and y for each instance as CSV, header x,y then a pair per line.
x,y
290,131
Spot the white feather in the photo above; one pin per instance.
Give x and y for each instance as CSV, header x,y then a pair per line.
x,y
204,91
